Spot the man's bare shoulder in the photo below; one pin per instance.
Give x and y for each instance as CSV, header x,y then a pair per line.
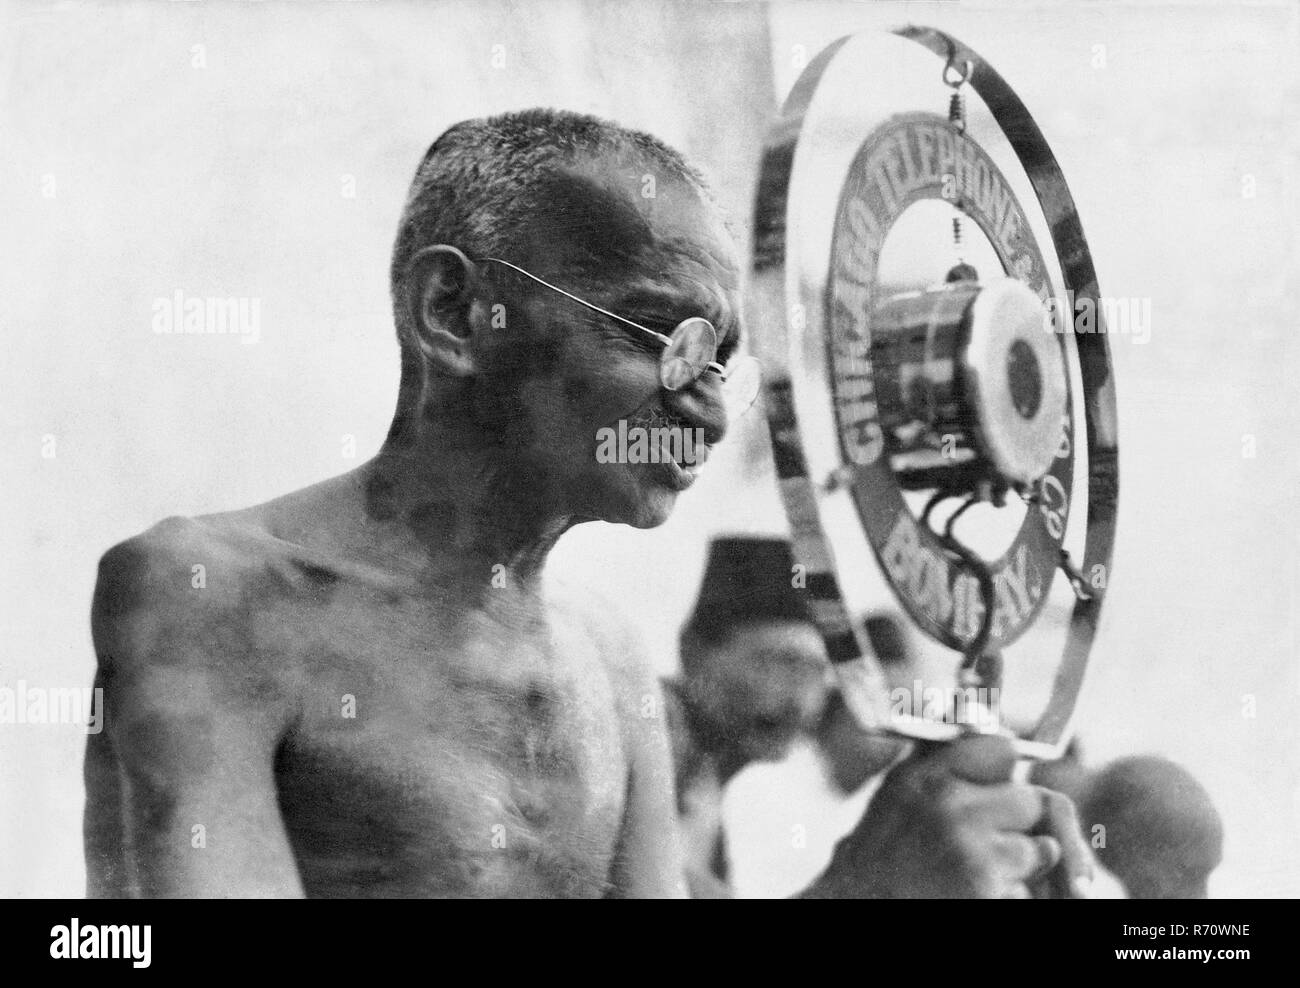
x,y
156,569
196,594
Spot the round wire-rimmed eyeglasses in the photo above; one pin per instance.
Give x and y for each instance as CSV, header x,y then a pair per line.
x,y
689,351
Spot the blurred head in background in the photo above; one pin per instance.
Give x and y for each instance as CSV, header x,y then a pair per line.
x,y
753,664
1162,837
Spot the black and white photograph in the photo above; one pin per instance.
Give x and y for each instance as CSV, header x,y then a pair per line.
x,y
494,449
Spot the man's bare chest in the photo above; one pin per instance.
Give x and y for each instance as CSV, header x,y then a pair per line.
x,y
471,764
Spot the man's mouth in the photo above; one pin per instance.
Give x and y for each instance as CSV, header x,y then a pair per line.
x,y
676,452
676,475
681,465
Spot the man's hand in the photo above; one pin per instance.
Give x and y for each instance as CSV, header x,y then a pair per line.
x,y
949,823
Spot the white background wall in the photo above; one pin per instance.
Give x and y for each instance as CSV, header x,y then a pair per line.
x,y
229,179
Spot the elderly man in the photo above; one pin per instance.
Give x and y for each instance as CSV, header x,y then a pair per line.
x,y
372,692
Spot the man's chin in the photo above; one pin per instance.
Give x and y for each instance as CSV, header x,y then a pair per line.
x,y
652,509
644,497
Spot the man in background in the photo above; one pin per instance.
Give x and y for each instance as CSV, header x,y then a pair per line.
x,y
754,681
753,677
1150,822
783,820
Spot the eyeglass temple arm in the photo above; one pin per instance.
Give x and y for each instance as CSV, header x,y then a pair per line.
x,y
665,340
581,301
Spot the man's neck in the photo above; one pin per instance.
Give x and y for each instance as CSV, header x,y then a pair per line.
x,y
457,513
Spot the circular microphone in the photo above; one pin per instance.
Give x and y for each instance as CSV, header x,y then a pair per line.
x,y
975,362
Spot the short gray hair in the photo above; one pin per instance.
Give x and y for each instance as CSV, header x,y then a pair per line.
x,y
481,181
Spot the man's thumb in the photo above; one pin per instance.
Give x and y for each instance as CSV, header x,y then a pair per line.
x,y
986,759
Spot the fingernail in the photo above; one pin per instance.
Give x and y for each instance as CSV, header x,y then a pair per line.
x,y
1082,887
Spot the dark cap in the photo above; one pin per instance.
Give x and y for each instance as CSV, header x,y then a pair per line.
x,y
747,579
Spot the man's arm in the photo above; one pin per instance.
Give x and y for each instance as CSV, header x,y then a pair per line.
x,y
181,796
104,837
648,861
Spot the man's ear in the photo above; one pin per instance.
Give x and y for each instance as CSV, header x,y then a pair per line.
x,y
443,281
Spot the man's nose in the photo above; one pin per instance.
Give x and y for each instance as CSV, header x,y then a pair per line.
x,y
701,406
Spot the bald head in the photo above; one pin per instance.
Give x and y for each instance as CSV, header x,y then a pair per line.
x,y
1163,835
